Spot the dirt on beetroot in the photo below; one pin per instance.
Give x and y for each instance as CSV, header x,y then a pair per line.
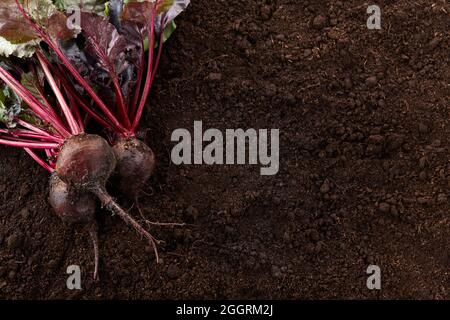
x,y
364,165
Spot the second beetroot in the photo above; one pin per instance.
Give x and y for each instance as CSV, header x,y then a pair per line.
x,y
135,165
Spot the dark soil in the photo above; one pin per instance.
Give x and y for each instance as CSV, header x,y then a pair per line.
x,y
364,174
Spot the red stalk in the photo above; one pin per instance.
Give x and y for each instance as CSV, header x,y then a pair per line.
x,y
74,128
89,90
34,136
70,91
75,109
117,90
50,153
73,104
31,101
29,144
121,101
158,57
46,104
38,130
39,160
29,134
86,108
13,137
147,86
138,82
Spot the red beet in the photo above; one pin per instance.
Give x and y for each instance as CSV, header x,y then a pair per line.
x,y
135,165
71,205
86,162
75,207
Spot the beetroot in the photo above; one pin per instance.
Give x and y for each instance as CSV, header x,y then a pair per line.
x,y
70,204
75,207
86,162
135,165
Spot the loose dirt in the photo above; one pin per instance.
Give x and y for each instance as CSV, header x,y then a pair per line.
x,y
364,164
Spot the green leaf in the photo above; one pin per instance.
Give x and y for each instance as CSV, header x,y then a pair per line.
x,y
174,9
138,12
165,5
34,83
104,42
10,106
13,26
28,116
168,30
18,37
47,16
23,50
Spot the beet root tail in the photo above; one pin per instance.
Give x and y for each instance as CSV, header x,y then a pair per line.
x,y
109,203
153,223
93,232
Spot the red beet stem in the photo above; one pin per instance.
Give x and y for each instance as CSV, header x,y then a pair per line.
x,y
39,160
81,102
88,89
76,110
29,144
40,131
152,71
158,57
20,133
74,127
138,81
148,80
33,103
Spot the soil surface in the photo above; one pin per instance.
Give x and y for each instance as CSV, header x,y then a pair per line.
x,y
364,164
